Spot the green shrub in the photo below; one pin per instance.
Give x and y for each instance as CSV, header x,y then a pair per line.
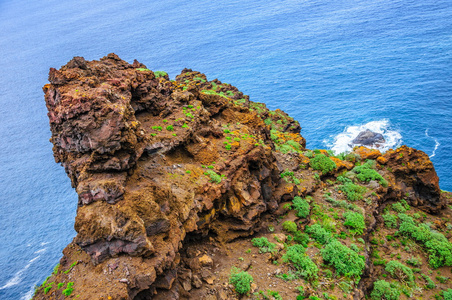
x,y
340,203
346,261
447,294
68,291
322,163
319,233
301,238
301,206
430,284
290,177
214,177
400,271
290,226
390,220
398,207
264,245
438,247
384,290
414,261
366,173
170,128
353,191
305,266
160,74
355,221
241,281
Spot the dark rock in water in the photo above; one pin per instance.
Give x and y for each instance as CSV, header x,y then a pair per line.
x,y
369,138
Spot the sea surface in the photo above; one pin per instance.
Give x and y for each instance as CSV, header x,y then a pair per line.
x,y
338,67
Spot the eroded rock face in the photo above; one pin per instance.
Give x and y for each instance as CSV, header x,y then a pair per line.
x,y
154,160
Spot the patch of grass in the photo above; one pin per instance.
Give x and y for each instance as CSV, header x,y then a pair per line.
x,y
289,177
430,284
241,281
438,247
353,191
290,226
390,220
318,233
384,290
322,163
355,221
367,173
160,74
304,265
214,177
264,245
68,290
346,261
400,271
70,267
301,206
447,294
414,261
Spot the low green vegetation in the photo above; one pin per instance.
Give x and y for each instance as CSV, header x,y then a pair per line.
x,y
353,191
317,232
322,163
214,177
437,245
304,265
301,206
241,281
290,177
390,220
355,221
68,290
366,173
290,226
263,244
384,290
346,261
400,271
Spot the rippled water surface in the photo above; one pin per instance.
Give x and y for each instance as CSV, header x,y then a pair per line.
x,y
336,66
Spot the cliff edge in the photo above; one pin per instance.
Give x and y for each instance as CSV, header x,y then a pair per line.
x,y
180,180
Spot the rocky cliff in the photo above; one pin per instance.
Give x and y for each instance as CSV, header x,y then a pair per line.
x,y
175,178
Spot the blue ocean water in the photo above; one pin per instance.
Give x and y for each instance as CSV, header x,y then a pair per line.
x,y
336,66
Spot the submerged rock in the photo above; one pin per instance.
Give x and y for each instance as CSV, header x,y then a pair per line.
x,y
369,138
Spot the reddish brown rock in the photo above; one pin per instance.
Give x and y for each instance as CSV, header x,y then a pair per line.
x,y
415,178
160,164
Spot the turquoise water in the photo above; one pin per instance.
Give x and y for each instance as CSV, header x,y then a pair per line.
x,y
336,66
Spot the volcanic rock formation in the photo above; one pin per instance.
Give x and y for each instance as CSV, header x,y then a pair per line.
x,y
161,164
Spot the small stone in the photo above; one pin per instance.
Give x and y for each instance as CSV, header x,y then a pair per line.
x,y
196,281
205,261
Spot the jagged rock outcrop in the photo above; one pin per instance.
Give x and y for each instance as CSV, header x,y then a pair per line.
x,y
156,162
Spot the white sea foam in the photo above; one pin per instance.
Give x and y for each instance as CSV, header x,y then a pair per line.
x,y
41,250
29,294
17,278
437,144
343,141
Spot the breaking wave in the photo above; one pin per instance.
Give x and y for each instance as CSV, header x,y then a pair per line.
x,y
437,144
18,277
343,141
